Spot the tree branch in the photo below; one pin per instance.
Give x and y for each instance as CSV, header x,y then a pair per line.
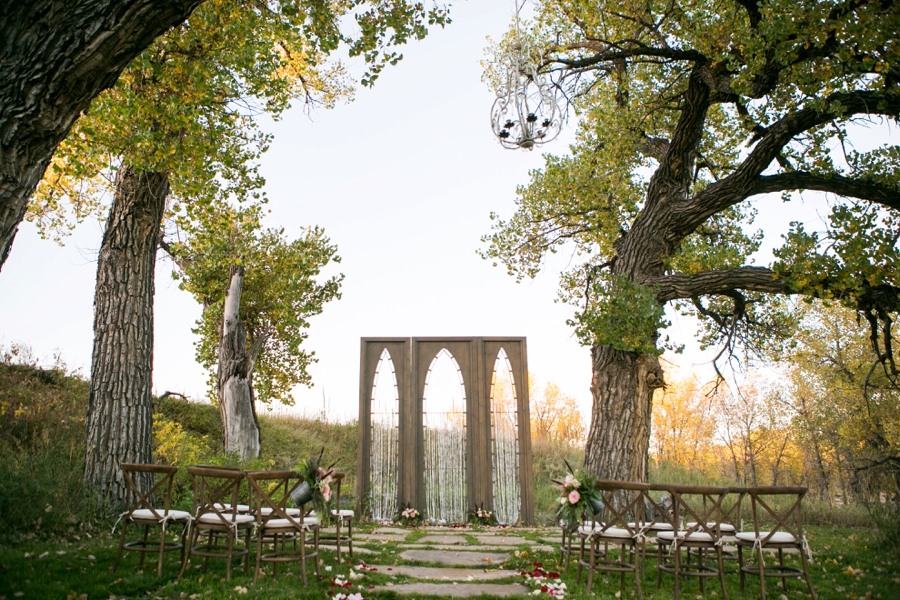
x,y
724,281
745,180
835,184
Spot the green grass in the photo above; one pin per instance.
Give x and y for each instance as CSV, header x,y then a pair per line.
x,y
43,509
82,570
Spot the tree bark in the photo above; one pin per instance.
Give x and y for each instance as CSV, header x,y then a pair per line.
x,y
235,377
619,438
120,408
55,57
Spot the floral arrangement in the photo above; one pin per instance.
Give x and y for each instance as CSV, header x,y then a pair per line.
x,y
544,582
577,498
480,516
409,516
318,478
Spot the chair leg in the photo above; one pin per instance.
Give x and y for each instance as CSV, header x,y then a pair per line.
x,y
590,580
781,566
805,562
247,555
303,556
228,554
350,537
121,547
580,560
659,562
337,543
677,552
741,565
144,545
316,548
701,562
186,558
762,574
162,550
721,560
259,553
637,576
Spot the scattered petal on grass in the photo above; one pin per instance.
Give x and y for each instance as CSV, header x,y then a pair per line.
x,y
240,589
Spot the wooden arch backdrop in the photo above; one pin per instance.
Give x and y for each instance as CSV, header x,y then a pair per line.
x,y
475,356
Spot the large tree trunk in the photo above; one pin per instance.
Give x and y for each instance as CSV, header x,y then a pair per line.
x,y
120,409
55,57
619,437
235,377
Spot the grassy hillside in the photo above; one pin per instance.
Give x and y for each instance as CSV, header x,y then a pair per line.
x,y
42,414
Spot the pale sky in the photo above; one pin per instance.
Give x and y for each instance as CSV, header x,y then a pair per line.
x,y
403,180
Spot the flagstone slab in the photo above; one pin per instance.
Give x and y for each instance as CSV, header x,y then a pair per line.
x,y
532,548
376,537
501,540
393,531
448,573
442,539
556,540
450,557
462,590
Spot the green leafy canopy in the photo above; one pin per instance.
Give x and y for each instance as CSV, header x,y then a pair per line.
x,y
283,288
688,111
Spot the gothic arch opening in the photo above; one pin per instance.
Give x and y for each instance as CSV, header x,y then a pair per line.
x,y
383,457
444,429
504,441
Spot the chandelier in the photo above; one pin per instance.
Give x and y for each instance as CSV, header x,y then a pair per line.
x,y
525,113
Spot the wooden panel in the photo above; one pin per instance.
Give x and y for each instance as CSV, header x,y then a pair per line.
x,y
370,353
516,353
475,356
424,352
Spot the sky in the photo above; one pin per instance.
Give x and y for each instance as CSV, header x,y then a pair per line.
x,y
403,180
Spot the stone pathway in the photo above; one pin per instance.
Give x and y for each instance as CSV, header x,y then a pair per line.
x,y
447,573
448,557
461,590
458,563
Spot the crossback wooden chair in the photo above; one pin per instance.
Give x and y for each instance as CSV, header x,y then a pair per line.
x,y
700,512
340,518
623,505
782,506
215,510
655,515
277,524
145,512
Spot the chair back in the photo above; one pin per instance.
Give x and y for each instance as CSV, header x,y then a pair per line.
x,y
216,491
703,507
623,507
272,490
781,505
146,501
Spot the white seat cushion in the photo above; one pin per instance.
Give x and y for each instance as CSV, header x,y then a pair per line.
x,y
661,526
589,529
213,518
342,513
266,511
241,508
145,514
280,524
723,527
779,537
611,532
615,532
697,536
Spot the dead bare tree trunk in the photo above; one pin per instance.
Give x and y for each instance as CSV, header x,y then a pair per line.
x,y
235,376
120,408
